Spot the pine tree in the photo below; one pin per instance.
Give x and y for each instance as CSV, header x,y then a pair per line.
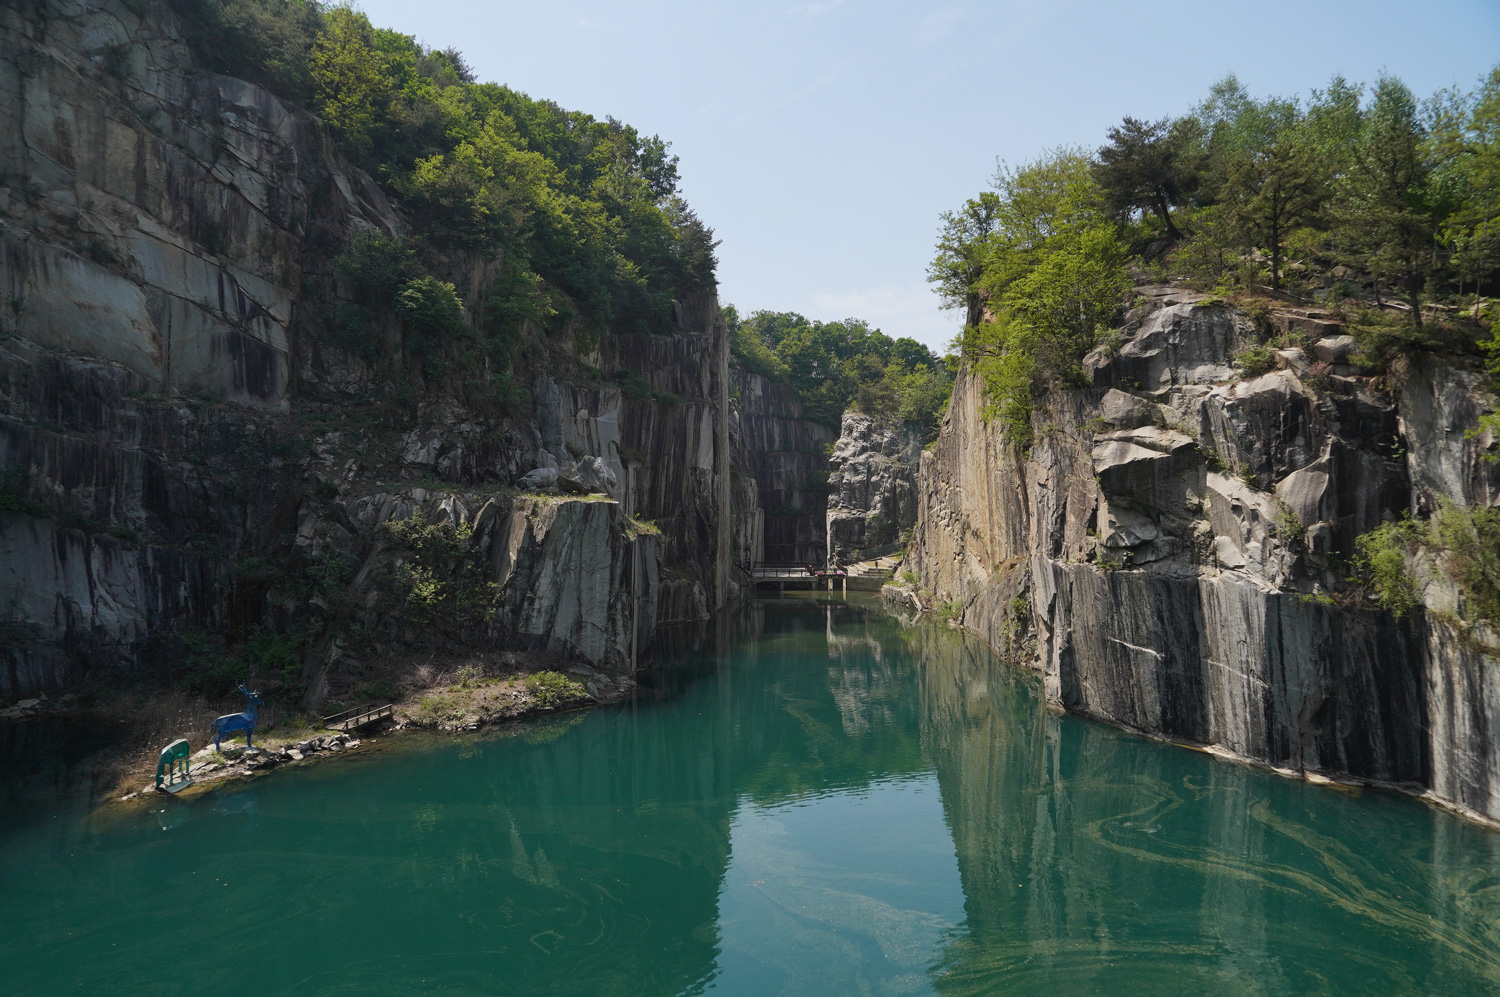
x,y
1150,166
1384,217
1273,191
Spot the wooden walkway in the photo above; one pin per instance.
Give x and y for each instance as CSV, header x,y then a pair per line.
x,y
785,576
356,718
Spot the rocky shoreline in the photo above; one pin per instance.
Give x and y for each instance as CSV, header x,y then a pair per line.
x,y
461,708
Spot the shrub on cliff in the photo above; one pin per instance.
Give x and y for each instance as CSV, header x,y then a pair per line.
x,y
1465,545
437,574
1470,538
1382,558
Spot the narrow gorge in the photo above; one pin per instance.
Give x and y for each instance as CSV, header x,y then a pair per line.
x,y
430,561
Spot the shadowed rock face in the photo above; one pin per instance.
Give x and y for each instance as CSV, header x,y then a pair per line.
x,y
164,218
781,460
183,452
1175,539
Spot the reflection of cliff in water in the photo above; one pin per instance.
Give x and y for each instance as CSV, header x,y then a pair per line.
x,y
815,730
49,758
1092,861
656,835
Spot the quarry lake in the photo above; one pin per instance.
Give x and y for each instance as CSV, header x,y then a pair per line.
x,y
808,798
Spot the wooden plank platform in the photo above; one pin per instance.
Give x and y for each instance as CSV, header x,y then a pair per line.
x,y
356,718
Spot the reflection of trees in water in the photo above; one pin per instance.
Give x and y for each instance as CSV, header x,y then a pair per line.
x,y
1092,860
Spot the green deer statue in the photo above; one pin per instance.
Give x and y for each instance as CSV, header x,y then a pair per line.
x,y
174,768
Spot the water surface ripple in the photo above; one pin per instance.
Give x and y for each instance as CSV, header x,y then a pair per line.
x,y
809,798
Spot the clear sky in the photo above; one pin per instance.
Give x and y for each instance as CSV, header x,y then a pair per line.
x,y
822,139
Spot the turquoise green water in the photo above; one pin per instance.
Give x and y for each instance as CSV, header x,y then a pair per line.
x,y
809,800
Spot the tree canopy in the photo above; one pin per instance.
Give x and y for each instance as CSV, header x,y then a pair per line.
x,y
577,218
1356,194
832,366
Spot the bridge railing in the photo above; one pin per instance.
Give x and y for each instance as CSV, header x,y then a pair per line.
x,y
357,717
770,571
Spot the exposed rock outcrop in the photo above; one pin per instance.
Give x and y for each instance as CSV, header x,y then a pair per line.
x,y
575,577
872,493
1174,546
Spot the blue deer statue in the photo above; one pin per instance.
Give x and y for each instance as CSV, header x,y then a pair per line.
x,y
229,723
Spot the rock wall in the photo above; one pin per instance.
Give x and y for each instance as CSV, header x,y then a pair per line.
x,y
872,486
783,458
183,454
154,217
575,578
1171,552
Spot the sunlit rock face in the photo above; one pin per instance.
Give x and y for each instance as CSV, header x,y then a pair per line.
x,y
1174,548
872,494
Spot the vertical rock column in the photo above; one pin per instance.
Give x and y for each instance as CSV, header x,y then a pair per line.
x,y
720,331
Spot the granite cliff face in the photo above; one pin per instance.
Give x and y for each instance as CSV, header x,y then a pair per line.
x,y
872,486
781,466
1172,550
184,453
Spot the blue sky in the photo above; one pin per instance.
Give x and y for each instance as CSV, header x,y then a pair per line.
x,y
822,140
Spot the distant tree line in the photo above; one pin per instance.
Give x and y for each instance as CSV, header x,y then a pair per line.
x,y
1357,193
834,366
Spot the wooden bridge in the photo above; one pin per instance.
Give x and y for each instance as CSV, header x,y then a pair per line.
x,y
782,576
865,576
356,718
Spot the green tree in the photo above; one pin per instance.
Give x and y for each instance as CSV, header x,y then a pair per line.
x,y
267,42
961,249
1466,143
434,320
1263,176
1054,279
1150,166
1274,190
1070,298
348,74
1384,217
694,246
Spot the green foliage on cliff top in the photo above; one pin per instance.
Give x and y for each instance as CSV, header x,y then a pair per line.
x,y
1240,192
579,218
1052,275
832,366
